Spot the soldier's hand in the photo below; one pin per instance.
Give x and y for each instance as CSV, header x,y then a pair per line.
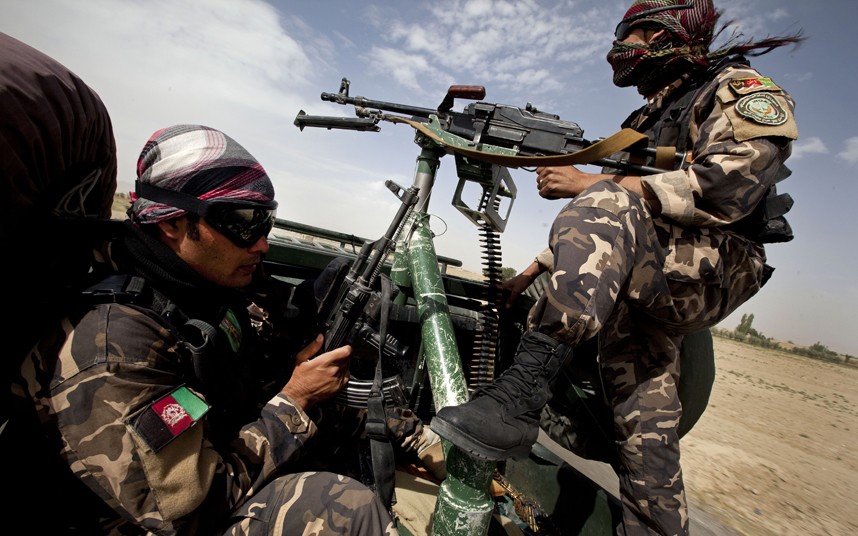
x,y
516,285
318,379
404,426
563,181
520,282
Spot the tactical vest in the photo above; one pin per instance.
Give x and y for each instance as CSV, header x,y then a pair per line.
x,y
237,378
766,224
66,504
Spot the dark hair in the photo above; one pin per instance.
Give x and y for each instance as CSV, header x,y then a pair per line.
x,y
193,226
737,45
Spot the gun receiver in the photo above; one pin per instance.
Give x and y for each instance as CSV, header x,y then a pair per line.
x,y
349,314
531,132
525,131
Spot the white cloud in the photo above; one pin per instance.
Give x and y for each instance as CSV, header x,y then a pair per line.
x,y
227,64
850,153
406,68
499,41
809,146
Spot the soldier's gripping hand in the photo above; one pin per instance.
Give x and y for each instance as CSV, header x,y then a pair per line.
x,y
318,379
563,181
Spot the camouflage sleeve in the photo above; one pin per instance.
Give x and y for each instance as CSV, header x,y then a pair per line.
x,y
140,437
545,259
738,143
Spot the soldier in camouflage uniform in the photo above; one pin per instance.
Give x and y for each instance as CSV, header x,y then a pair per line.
x,y
160,401
642,260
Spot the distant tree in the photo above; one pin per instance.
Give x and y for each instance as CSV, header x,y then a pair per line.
x,y
507,272
820,350
744,326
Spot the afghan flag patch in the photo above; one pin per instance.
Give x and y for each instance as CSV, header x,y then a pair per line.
x,y
743,86
169,416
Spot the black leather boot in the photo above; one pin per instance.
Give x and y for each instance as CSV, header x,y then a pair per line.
x,y
501,420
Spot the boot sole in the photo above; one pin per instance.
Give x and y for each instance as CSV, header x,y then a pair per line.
x,y
476,448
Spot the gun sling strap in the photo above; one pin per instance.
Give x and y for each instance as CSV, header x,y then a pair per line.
x,y
381,448
620,141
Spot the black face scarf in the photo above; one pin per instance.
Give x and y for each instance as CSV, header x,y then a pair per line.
x,y
650,67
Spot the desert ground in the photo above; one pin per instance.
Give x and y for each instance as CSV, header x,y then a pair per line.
x,y
775,452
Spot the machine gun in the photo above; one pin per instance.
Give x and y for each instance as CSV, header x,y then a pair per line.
x,y
487,128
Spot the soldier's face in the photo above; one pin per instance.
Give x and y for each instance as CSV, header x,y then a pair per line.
x,y
213,255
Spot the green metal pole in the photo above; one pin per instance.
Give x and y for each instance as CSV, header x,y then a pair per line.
x,y
439,338
463,506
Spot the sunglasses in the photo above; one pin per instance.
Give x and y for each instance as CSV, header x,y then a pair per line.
x,y
625,25
243,222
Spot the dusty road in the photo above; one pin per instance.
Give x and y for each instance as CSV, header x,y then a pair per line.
x,y
775,453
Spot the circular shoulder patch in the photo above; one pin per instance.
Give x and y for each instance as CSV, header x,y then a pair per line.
x,y
761,108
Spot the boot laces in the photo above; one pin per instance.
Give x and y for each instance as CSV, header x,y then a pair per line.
x,y
518,382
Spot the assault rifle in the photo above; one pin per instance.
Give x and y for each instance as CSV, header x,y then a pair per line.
x,y
485,127
348,314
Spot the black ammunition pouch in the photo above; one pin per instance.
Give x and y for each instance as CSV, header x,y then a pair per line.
x,y
767,224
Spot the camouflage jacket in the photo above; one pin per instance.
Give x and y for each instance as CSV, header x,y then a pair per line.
x,y
112,387
739,131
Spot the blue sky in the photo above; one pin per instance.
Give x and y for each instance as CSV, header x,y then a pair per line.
x,y
247,67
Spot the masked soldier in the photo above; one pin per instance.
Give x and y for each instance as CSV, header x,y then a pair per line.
x,y
642,260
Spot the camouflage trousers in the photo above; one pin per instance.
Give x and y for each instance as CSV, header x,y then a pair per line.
x,y
312,504
609,280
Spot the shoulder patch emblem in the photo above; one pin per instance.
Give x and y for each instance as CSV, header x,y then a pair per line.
x,y
169,416
761,108
232,329
743,86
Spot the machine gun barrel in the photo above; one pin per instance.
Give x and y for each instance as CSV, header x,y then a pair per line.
x,y
453,92
362,102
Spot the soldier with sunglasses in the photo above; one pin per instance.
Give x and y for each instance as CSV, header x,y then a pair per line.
x,y
638,262
171,409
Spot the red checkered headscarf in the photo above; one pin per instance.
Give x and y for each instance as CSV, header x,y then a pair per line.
x,y
689,33
689,30
200,161
689,26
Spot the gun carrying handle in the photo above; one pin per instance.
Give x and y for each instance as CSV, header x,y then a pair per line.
x,y
461,92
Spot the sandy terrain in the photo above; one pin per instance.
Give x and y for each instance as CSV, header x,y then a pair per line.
x,y
775,452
